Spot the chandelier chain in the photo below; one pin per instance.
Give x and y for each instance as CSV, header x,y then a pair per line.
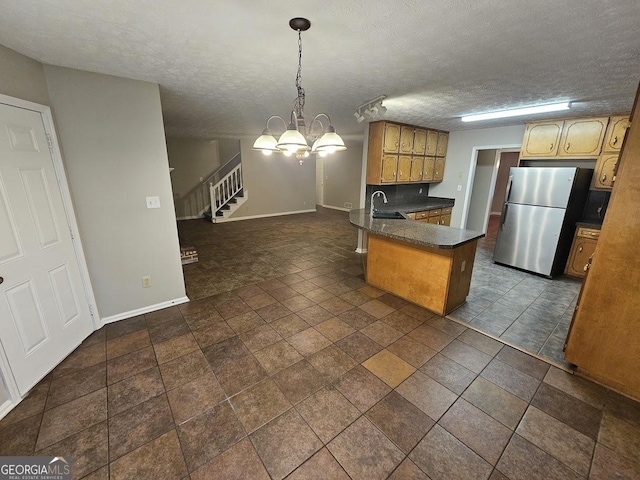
x,y
299,103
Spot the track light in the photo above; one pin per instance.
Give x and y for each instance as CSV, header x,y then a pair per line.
x,y
372,110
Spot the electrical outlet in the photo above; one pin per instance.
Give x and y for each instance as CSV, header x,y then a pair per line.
x,y
146,282
153,202
420,191
459,188
348,205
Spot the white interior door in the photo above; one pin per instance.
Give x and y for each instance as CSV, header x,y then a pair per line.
x,y
319,180
44,312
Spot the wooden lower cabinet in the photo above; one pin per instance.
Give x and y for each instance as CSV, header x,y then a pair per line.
x,y
583,247
437,216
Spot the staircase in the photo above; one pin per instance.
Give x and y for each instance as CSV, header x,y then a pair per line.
x,y
227,195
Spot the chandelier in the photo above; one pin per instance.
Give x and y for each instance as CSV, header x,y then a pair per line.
x,y
297,135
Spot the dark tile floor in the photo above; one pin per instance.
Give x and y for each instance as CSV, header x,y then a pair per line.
x,y
528,311
293,367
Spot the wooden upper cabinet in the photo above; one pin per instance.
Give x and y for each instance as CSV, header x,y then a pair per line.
x,y
404,168
443,140
428,169
583,137
541,139
438,172
416,169
432,143
419,141
391,138
406,140
605,170
615,133
389,168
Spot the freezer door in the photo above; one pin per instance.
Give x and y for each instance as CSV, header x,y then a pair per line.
x,y
547,186
528,237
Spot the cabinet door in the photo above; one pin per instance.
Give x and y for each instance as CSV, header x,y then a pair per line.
x,y
541,139
445,219
391,138
615,133
604,171
406,140
404,168
389,168
443,140
419,141
581,250
435,220
432,143
438,172
429,168
583,137
416,169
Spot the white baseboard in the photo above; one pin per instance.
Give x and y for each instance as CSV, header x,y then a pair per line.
x,y
251,217
337,208
143,310
361,250
5,408
192,217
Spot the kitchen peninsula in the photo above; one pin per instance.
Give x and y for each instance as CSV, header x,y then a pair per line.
x,y
427,264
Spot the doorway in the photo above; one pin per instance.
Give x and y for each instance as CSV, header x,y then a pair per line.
x,y
488,188
45,295
319,180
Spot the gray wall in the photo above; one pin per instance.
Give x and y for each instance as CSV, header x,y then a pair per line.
x,y
275,184
4,392
342,172
480,190
112,136
227,149
507,160
22,77
460,156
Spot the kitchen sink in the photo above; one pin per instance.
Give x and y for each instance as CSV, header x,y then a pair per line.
x,y
387,214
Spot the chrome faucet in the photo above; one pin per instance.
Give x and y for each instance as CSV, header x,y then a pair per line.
x,y
373,195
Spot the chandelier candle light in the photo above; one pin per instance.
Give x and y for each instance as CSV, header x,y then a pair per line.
x,y
295,140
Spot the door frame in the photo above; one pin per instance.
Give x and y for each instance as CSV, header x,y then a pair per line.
x,y
58,166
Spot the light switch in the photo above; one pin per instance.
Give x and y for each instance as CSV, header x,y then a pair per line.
x,y
459,188
153,202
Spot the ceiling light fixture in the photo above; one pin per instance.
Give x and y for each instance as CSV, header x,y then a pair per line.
x,y
553,107
296,137
372,110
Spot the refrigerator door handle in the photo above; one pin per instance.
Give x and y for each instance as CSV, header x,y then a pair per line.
x,y
508,192
505,208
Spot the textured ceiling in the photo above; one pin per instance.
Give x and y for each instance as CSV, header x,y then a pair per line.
x,y
225,66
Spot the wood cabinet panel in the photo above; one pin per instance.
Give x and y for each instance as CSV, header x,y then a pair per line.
x,y
445,220
404,168
443,141
438,171
389,168
419,141
429,168
581,251
615,133
417,164
605,170
406,139
432,143
541,139
391,141
583,137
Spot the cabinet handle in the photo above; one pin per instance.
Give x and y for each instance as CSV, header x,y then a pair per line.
x,y
580,248
586,267
604,177
615,140
551,147
568,146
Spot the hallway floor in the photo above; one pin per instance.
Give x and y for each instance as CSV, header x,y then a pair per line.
x,y
289,365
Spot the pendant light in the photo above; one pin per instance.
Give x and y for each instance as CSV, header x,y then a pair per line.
x,y
297,136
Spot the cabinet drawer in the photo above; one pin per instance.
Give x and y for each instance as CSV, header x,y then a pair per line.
x,y
421,215
588,233
434,213
446,211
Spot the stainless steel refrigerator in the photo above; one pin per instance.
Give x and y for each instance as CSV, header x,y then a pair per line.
x,y
541,208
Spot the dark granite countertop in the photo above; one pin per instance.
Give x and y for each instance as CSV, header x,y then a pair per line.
x,y
596,226
419,233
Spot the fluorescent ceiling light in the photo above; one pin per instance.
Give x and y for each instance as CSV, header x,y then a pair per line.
x,y
553,107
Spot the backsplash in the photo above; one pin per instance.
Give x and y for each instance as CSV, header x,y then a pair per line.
x,y
596,206
399,194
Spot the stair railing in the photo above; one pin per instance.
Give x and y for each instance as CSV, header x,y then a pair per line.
x,y
223,191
